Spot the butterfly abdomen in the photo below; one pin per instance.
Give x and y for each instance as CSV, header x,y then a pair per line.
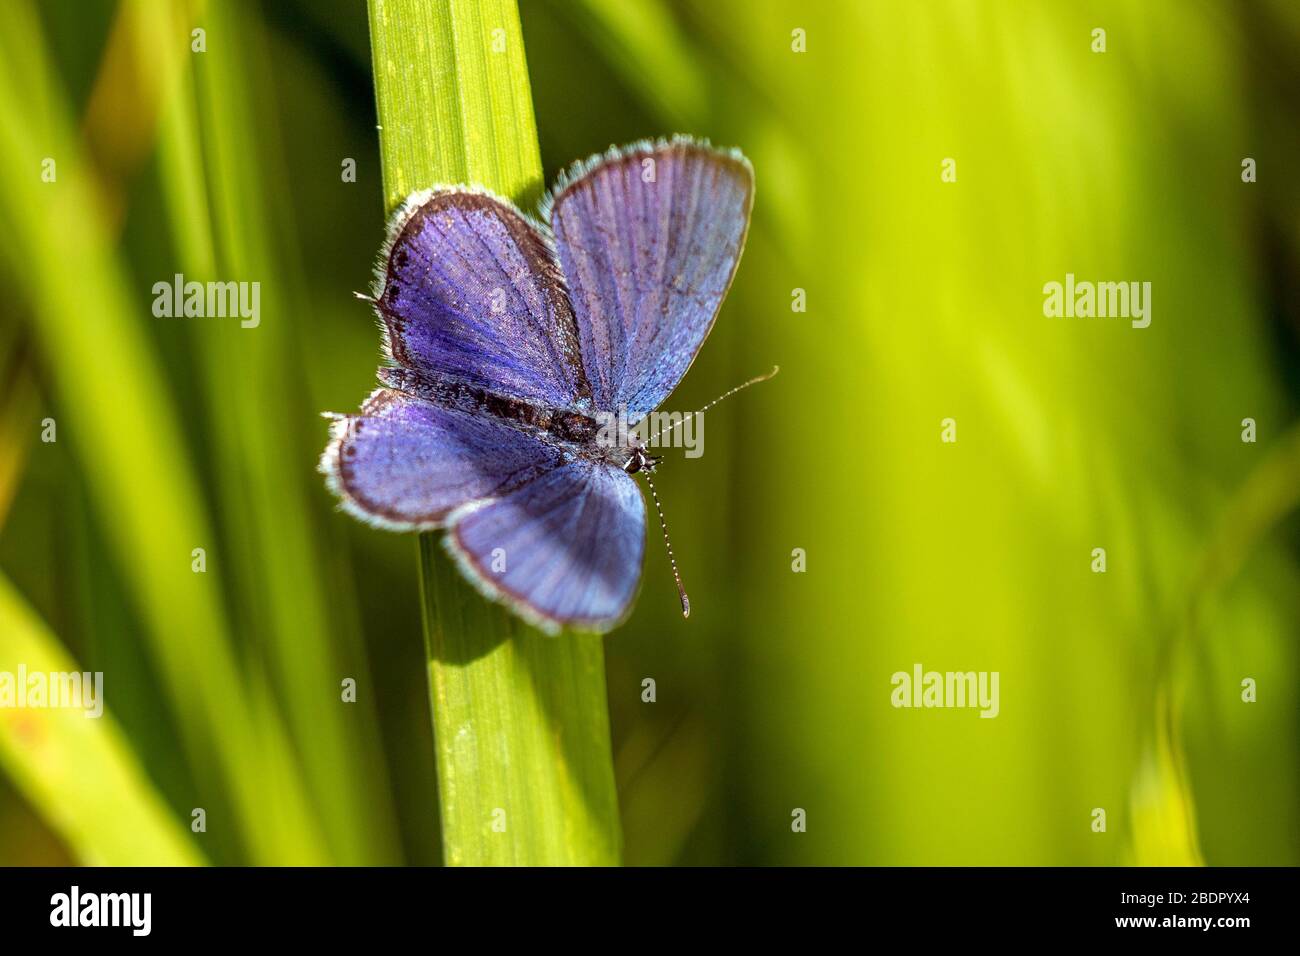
x,y
560,425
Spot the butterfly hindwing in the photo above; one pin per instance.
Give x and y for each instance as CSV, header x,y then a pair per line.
x,y
406,464
563,549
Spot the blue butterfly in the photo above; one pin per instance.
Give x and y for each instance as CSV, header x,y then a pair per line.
x,y
511,340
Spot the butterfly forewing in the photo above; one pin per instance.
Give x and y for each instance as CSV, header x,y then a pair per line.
x,y
471,292
648,240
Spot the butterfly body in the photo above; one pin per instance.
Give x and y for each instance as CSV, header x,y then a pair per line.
x,y
513,342
573,432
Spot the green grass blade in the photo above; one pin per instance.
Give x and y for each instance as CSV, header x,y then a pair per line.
x,y
78,772
217,133
18,410
451,109
119,416
521,724
1164,830
521,730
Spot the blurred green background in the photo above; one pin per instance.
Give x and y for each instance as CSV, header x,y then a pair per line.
x,y
1120,691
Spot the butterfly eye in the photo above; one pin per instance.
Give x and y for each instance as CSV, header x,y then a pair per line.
x,y
640,461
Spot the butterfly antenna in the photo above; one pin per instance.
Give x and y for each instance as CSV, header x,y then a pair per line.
x,y
681,588
721,398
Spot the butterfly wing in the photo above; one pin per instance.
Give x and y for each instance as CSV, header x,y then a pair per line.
x,y
469,291
557,538
563,549
648,239
405,463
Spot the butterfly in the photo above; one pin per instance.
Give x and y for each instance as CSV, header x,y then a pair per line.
x,y
511,339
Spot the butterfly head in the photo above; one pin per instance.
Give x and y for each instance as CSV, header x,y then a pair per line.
x,y
641,460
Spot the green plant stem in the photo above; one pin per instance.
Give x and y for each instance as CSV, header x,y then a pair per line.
x,y
521,725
